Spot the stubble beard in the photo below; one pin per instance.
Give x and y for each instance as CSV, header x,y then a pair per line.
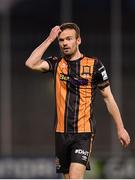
x,y
69,55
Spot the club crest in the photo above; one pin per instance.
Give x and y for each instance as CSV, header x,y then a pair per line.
x,y
87,71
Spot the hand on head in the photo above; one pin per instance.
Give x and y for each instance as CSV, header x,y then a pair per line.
x,y
54,33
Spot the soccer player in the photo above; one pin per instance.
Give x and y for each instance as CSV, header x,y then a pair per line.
x,y
76,79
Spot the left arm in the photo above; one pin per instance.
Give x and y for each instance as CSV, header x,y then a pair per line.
x,y
115,113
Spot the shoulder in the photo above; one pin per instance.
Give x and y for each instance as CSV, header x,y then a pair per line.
x,y
52,61
93,58
54,58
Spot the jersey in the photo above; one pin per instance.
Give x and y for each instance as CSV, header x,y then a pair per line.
x,y
75,86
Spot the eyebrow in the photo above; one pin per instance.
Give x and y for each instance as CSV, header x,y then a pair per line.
x,y
65,37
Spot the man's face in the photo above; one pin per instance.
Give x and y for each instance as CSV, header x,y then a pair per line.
x,y
68,42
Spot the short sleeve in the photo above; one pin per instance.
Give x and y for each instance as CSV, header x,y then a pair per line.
x,y
101,77
52,61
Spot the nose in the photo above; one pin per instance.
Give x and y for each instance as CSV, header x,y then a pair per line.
x,y
65,42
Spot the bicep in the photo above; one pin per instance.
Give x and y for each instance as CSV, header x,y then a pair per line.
x,y
110,102
106,92
42,66
108,97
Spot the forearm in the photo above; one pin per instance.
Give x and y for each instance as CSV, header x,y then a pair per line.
x,y
116,116
114,112
35,60
37,54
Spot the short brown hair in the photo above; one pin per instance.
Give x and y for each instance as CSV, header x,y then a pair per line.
x,y
70,25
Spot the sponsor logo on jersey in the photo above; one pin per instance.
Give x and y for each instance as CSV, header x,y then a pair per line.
x,y
73,80
64,77
58,166
81,151
84,158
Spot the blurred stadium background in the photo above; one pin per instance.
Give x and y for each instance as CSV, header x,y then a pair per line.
x,y
27,98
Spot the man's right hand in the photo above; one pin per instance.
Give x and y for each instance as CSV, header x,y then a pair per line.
x,y
54,33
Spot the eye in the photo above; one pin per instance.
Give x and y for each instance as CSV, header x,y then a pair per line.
x,y
61,40
69,38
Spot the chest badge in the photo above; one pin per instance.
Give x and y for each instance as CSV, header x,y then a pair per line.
x,y
87,71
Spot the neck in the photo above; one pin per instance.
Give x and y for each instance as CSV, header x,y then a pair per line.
x,y
73,57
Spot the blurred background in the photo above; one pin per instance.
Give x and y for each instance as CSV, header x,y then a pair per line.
x,y
27,97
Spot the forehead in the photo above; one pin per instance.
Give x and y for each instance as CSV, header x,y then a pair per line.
x,y
67,32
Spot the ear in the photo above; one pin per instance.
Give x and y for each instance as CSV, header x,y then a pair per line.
x,y
79,40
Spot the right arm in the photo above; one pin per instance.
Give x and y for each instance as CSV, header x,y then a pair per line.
x,y
35,61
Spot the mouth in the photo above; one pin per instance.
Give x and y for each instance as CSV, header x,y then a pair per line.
x,y
66,48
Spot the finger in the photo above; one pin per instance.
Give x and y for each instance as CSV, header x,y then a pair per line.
x,y
57,28
124,143
121,141
128,140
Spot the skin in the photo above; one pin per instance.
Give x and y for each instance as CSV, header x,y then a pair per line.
x,y
69,46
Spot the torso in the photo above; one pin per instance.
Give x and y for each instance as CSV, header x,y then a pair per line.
x,y
74,95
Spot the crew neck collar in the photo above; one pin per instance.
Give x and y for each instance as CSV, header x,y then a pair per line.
x,y
72,61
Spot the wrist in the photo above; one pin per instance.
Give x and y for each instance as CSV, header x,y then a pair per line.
x,y
120,128
49,39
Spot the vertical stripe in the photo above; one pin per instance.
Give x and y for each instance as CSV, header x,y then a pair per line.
x,y
92,123
85,97
72,97
60,96
77,99
66,118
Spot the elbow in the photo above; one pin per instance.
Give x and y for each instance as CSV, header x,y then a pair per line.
x,y
29,65
26,64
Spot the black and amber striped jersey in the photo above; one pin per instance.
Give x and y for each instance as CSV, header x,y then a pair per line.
x,y
75,83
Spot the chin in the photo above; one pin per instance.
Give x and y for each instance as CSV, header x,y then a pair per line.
x,y
67,54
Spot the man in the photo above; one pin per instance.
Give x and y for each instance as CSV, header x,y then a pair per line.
x,y
76,79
